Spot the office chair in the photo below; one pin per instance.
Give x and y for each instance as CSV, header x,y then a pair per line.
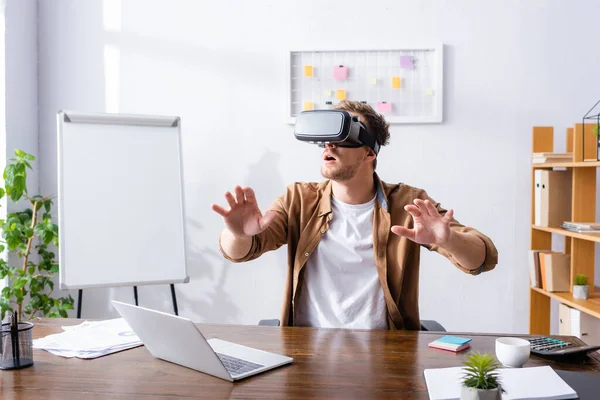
x,y
426,325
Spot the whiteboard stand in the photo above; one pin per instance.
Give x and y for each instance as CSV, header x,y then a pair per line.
x,y
121,212
135,296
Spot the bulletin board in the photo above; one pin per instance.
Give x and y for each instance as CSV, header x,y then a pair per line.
x,y
405,85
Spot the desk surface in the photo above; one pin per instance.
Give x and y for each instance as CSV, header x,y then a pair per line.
x,y
328,363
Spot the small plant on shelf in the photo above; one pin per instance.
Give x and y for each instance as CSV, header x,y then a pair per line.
x,y
481,380
581,289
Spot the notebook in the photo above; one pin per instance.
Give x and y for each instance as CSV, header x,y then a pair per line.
x,y
451,343
518,384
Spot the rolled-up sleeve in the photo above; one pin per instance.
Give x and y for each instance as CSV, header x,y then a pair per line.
x,y
271,238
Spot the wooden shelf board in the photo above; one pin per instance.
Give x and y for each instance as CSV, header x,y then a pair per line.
x,y
568,164
589,306
594,237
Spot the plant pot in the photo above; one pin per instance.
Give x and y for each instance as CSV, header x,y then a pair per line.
x,y
17,346
479,394
581,291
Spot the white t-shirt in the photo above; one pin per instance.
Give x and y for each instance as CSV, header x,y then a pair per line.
x,y
341,287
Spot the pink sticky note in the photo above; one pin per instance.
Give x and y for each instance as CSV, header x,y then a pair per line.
x,y
406,62
384,107
340,73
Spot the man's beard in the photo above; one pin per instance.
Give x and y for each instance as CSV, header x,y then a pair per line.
x,y
340,173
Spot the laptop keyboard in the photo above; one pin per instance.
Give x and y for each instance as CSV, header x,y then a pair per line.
x,y
236,366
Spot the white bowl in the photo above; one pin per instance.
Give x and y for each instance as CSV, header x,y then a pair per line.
x,y
512,352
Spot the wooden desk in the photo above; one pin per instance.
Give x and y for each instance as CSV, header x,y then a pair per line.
x,y
328,363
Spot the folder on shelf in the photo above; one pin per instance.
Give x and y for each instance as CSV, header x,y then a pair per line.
x,y
552,194
573,322
537,185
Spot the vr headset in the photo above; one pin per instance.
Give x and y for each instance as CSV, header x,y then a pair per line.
x,y
337,127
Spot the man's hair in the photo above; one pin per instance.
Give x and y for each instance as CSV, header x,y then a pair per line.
x,y
375,122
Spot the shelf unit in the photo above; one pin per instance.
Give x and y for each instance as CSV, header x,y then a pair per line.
x,y
579,245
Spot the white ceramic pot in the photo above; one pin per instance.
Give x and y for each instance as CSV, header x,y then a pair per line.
x,y
479,394
581,291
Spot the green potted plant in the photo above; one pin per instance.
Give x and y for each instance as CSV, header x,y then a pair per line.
x,y
581,290
480,380
28,235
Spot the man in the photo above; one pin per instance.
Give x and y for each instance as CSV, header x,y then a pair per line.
x,y
353,240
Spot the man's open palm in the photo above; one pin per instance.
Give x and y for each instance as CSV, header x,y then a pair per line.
x,y
244,218
429,226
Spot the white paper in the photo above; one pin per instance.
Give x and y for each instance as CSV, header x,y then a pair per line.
x,y
90,339
518,383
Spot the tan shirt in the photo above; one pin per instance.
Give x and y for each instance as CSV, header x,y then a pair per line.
x,y
304,212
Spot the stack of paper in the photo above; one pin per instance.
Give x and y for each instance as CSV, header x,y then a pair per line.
x,y
518,383
540,158
582,227
90,339
451,343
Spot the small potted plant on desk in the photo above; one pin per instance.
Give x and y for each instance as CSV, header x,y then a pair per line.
x,y
480,381
581,290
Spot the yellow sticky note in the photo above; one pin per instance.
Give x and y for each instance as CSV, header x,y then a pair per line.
x,y
308,105
396,82
373,81
429,92
340,94
328,93
308,70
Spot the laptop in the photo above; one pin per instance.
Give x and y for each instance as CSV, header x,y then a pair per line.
x,y
178,340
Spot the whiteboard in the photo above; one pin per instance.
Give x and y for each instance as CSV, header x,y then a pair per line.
x,y
404,84
120,200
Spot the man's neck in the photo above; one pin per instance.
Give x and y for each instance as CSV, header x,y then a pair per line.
x,y
357,190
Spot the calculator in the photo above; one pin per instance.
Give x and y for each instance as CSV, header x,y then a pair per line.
x,y
547,346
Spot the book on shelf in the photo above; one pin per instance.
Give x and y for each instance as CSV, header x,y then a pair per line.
x,y
549,270
540,158
555,268
535,277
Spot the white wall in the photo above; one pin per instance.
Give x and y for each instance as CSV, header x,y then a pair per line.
x,y
220,66
21,91
18,89
2,112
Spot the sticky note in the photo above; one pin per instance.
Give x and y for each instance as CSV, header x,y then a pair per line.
x,y
340,94
406,62
328,93
308,105
340,73
384,107
454,340
396,82
429,92
373,81
308,70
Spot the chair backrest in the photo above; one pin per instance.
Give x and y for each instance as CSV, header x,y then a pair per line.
x,y
426,324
